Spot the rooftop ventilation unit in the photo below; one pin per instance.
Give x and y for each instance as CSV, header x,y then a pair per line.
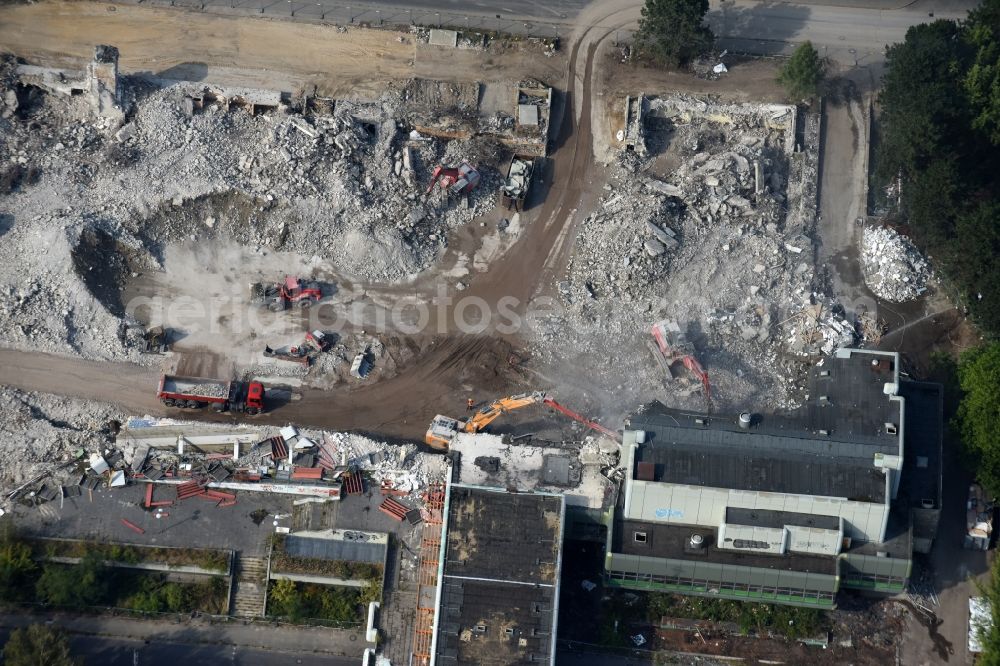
x,y
745,420
697,541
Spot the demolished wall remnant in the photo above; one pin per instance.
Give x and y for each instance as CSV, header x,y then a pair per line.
x,y
102,75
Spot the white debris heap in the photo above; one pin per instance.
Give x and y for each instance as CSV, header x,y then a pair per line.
x,y
894,269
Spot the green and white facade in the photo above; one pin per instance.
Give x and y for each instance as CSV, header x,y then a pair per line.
x,y
786,509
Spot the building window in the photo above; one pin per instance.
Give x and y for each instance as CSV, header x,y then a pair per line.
x,y
640,537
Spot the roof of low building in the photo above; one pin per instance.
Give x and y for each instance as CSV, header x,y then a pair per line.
x,y
500,578
825,448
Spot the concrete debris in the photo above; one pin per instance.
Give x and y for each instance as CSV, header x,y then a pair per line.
x,y
634,133
518,179
193,164
244,458
719,241
894,269
820,329
576,471
46,435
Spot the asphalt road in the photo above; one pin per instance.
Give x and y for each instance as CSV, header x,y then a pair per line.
x,y
848,29
106,640
98,650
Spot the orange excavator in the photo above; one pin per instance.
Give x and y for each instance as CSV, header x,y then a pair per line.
x,y
444,428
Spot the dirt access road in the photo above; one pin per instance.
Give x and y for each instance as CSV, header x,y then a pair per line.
x,y
453,366
252,52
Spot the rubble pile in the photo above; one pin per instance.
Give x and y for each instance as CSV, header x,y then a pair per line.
x,y
894,269
622,247
46,304
707,243
345,185
401,468
45,434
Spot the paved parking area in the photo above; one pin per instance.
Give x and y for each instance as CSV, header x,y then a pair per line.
x,y
189,523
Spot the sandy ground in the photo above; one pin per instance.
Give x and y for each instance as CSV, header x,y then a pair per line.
x,y
252,52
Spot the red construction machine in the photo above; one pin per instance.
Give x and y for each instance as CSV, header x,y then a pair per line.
x,y
316,342
675,348
278,296
461,180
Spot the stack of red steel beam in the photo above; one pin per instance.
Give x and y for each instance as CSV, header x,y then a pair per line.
x,y
393,509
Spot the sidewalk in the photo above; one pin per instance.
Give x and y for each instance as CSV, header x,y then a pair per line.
x,y
284,638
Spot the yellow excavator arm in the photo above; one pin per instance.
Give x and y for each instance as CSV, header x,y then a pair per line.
x,y
497,408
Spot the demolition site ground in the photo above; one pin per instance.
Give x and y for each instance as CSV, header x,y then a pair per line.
x,y
150,200
696,207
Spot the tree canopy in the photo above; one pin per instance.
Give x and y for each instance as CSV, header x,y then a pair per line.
x,y
803,72
672,32
989,637
978,418
17,567
82,585
38,645
939,135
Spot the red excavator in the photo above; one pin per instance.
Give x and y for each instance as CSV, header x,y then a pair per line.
x,y
675,348
461,180
278,296
444,428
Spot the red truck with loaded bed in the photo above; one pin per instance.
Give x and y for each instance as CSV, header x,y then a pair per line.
x,y
194,392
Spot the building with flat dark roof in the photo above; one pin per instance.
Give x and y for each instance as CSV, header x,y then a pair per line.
x,y
498,580
787,507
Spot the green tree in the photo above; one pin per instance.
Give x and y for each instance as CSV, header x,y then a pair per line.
x,y
16,567
982,82
285,600
803,72
978,413
672,32
939,128
82,585
990,639
38,645
922,108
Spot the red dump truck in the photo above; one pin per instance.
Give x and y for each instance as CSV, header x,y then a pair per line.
x,y
194,392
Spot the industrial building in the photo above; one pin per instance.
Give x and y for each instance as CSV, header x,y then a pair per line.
x,y
498,577
784,508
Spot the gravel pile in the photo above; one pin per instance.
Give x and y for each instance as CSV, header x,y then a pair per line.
x,y
894,269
